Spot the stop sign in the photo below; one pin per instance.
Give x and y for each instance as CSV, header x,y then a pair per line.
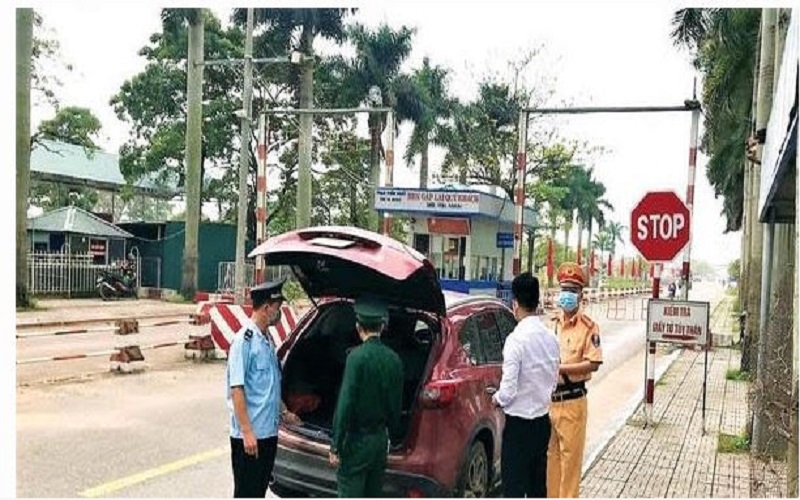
x,y
660,226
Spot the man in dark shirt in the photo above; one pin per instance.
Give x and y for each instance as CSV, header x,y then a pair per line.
x,y
369,405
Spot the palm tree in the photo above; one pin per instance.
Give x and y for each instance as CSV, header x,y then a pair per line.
x,y
428,104
379,56
283,29
615,231
24,54
591,206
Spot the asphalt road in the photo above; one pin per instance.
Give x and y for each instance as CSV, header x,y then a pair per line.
x,y
163,433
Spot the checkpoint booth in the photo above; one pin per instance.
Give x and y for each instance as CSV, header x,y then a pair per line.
x,y
467,232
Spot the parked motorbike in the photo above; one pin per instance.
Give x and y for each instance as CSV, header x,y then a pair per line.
x,y
111,285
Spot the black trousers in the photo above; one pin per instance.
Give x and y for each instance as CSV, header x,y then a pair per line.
x,y
524,457
251,475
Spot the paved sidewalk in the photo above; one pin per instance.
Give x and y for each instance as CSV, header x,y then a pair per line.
x,y
675,458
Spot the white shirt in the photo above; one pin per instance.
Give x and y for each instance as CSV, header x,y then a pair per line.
x,y
531,357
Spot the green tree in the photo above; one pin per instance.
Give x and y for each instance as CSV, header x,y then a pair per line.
x,y
428,106
616,232
379,54
296,29
724,45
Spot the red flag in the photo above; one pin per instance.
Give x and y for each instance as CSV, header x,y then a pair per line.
x,y
610,270
550,259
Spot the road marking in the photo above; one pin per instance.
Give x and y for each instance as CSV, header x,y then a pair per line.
x,y
105,489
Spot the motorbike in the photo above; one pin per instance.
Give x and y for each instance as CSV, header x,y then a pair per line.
x,y
111,285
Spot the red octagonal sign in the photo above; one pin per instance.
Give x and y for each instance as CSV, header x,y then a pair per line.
x,y
660,226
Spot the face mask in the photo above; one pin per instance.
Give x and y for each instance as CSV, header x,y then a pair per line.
x,y
568,301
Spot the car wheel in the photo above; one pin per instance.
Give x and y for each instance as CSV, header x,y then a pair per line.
x,y
475,474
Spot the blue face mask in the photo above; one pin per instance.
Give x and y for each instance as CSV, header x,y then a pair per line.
x,y
568,301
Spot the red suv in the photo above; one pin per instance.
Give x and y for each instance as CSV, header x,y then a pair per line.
x,y
450,345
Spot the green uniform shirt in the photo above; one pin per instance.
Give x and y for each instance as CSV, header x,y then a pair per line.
x,y
371,394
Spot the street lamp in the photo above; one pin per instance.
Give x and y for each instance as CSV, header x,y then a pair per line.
x,y
374,97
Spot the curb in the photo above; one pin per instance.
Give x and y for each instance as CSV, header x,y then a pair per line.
x,y
630,408
37,324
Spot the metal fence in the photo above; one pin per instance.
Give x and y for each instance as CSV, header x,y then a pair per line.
x,y
226,276
62,273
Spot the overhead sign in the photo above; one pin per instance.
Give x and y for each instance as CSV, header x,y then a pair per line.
x,y
505,240
679,322
451,202
660,226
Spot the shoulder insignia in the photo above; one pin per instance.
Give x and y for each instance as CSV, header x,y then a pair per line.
x,y
248,334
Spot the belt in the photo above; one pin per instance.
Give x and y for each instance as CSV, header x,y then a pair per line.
x,y
568,394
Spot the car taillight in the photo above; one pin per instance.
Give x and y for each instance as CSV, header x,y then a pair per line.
x,y
440,393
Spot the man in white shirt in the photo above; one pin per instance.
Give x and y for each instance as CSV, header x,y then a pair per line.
x,y
530,373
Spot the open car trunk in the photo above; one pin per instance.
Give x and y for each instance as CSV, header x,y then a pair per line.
x,y
314,367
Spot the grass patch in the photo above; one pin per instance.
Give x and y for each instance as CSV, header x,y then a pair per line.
x,y
737,375
728,443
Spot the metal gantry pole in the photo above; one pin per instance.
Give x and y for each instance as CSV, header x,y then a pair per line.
x,y
261,192
687,252
519,191
389,182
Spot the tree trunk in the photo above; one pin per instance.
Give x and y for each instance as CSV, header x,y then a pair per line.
x,y
764,105
374,169
193,153
423,167
306,121
24,52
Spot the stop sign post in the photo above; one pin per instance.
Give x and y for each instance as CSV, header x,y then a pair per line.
x,y
660,229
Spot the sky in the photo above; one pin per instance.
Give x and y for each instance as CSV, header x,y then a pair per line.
x,y
590,54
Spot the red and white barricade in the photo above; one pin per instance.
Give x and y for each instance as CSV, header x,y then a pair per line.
x,y
227,319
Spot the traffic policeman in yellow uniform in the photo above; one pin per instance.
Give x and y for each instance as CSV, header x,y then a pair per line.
x,y
368,410
581,355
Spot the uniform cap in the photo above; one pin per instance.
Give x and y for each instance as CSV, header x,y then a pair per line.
x,y
370,312
571,273
269,290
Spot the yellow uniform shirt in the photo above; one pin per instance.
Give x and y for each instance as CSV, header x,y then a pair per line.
x,y
579,340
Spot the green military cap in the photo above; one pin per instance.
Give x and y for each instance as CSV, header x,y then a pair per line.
x,y
370,312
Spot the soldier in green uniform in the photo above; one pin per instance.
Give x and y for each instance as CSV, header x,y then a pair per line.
x,y
368,410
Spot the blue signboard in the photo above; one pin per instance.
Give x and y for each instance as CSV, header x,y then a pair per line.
x,y
505,240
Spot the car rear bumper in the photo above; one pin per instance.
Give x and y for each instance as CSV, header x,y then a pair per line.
x,y
313,475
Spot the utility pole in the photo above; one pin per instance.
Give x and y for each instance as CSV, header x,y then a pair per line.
x,y
303,218
244,159
194,123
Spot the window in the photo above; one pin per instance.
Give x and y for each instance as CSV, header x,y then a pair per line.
x,y
506,323
470,341
491,340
